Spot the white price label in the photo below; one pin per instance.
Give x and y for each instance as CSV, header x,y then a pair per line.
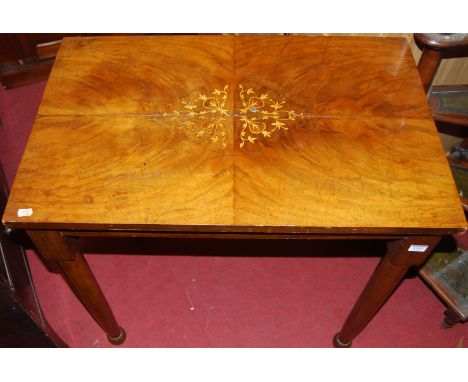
x,y
418,248
24,212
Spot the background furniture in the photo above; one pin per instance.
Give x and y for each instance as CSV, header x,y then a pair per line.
x,y
447,272
22,323
449,104
27,57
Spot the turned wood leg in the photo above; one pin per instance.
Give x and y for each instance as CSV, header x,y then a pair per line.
x,y
51,245
400,256
451,318
428,65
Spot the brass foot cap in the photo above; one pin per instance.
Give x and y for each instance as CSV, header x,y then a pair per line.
x,y
119,339
338,344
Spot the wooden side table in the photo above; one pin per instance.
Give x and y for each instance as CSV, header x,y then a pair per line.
x,y
235,137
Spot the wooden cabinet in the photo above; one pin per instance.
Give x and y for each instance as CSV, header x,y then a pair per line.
x,y
22,323
27,57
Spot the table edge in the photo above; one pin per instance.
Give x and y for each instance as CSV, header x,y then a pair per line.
x,y
235,229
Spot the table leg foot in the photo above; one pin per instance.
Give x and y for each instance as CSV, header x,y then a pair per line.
x,y
338,344
119,339
451,319
444,325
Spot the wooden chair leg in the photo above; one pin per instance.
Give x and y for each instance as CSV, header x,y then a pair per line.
x,y
51,245
428,65
451,319
400,256
464,143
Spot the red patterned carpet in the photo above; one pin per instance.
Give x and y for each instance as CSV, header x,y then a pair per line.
x,y
187,295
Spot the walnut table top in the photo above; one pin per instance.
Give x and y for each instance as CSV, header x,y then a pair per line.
x,y
235,134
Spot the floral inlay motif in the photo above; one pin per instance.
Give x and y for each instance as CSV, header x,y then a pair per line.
x,y
205,116
262,116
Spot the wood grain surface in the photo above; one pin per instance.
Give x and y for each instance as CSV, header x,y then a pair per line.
x,y
153,133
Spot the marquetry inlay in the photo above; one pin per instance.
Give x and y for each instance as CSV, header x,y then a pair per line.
x,y
205,116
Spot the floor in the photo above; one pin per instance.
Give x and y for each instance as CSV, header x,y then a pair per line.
x,y
291,294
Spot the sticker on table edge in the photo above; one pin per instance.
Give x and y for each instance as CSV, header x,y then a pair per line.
x,y
417,248
24,212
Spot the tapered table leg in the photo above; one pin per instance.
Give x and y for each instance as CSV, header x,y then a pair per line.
x,y
51,245
400,256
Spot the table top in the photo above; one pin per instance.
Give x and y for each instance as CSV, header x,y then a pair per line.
x,y
235,134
